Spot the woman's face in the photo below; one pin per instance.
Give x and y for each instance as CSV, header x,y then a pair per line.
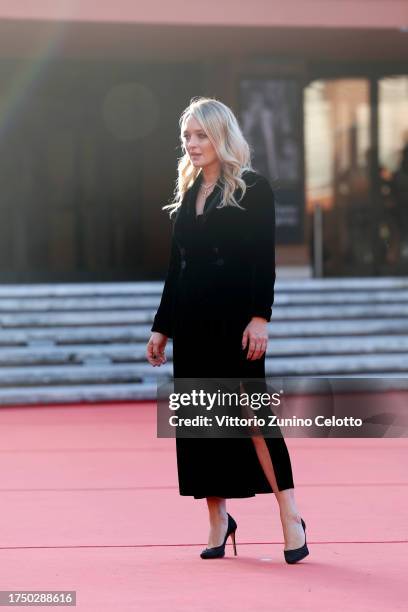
x,y
197,144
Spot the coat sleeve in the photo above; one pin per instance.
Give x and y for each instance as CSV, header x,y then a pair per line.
x,y
163,320
261,218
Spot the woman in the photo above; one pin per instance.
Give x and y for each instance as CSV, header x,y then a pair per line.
x,y
216,305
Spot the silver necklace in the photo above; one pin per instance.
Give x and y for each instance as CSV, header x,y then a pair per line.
x,y
207,189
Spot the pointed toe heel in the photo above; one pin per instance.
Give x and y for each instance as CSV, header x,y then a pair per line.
x,y
217,552
297,554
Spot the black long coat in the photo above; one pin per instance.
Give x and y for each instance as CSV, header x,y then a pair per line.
x,y
221,274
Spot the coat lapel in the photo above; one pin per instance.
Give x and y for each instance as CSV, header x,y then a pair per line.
x,y
212,201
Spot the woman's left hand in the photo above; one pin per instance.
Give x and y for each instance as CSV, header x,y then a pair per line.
x,y
256,334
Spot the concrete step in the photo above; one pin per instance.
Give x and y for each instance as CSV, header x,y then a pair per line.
x,y
100,335
148,391
284,313
150,302
64,375
78,394
103,373
155,287
136,352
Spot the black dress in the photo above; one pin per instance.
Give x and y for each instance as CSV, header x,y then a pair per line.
x,y
221,274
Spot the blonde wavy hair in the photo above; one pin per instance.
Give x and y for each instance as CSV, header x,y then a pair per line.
x,y
221,126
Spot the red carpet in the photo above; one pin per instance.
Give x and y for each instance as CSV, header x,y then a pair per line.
x,y
89,502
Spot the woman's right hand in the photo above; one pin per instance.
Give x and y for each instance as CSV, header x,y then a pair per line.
x,y
155,349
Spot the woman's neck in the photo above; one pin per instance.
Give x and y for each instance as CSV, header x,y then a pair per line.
x,y
211,174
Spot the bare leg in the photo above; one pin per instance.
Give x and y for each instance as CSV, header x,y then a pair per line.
x,y
289,515
217,512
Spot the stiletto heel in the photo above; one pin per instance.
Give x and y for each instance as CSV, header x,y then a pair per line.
x,y
217,552
297,554
233,542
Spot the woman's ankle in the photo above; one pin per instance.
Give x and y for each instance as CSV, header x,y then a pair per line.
x,y
218,517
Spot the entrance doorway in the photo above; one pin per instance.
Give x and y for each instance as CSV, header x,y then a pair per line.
x,y
356,174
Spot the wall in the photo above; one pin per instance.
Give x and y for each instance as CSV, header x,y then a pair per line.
x,y
307,13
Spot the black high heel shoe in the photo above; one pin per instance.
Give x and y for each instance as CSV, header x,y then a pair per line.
x,y
217,552
297,554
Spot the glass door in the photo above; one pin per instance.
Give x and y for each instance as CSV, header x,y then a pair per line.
x,y
338,155
393,163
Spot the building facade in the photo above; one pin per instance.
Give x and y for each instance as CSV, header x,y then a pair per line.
x,y
90,98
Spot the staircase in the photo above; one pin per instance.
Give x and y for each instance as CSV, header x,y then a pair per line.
x,y
86,342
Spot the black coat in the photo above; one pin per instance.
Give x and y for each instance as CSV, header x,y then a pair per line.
x,y
236,257
221,274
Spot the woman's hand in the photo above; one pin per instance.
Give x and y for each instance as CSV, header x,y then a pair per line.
x,y
155,349
256,334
